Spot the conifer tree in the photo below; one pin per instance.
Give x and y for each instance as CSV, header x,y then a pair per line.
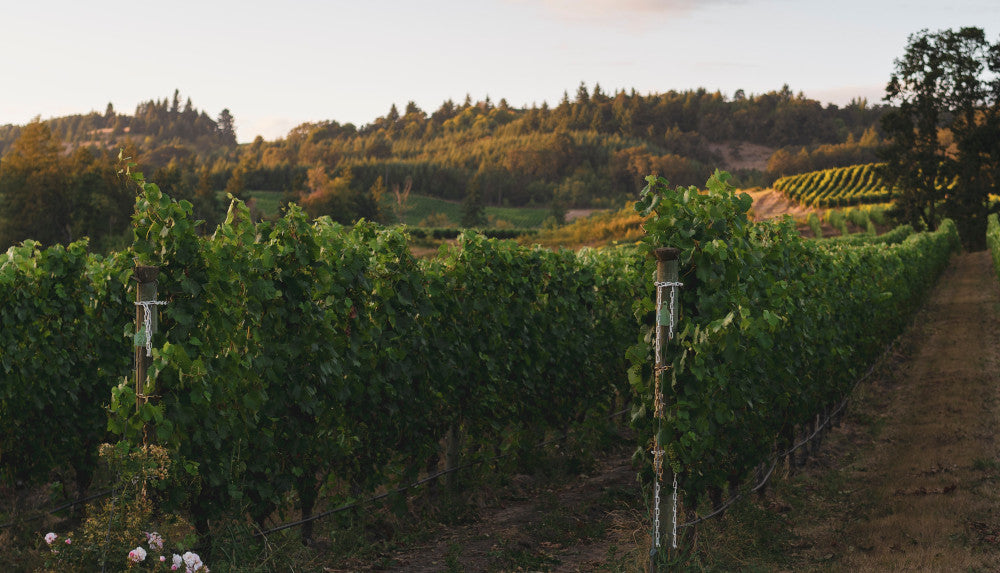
x,y
227,128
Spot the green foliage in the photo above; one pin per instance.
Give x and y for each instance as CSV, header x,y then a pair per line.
x,y
787,161
266,203
421,207
447,233
944,154
308,358
473,214
897,235
838,187
815,226
61,351
52,198
773,328
993,241
593,152
859,217
838,220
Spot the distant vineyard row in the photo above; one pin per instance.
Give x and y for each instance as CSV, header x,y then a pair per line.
x,y
838,187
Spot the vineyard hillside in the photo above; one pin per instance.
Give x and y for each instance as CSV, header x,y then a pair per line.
x,y
838,187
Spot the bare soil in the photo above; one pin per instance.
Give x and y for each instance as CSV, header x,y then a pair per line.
x,y
770,203
917,466
574,214
575,526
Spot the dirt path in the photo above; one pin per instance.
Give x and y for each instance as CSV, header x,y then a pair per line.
x,y
917,476
588,523
770,203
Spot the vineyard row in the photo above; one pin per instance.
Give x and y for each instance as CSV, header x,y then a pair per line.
x,y
303,357
307,358
837,187
773,329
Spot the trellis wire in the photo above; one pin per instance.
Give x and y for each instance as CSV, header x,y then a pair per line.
x,y
777,456
67,505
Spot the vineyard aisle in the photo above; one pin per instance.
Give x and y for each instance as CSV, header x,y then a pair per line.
x,y
911,481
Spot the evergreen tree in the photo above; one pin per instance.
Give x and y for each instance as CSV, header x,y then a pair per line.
x,y
372,207
227,128
393,115
473,211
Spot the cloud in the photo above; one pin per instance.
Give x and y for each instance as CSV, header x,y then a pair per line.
x,y
623,9
843,95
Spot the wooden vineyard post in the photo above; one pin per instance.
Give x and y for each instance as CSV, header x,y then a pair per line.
x,y
146,323
667,275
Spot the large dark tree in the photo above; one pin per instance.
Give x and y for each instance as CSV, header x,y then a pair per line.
x,y
942,157
53,198
227,127
33,204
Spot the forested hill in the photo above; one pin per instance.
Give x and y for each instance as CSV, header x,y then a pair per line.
x,y
591,149
155,124
586,149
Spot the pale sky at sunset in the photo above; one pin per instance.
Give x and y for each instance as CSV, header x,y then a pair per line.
x,y
278,64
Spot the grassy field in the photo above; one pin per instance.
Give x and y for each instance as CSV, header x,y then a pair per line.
x,y
421,207
267,201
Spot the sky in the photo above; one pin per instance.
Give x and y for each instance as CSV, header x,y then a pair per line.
x,y
276,65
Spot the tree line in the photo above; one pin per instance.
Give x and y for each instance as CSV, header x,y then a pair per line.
x,y
590,150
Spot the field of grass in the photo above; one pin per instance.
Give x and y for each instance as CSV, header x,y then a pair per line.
x,y
267,201
421,207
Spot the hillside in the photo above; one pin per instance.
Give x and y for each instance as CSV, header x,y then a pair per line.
x,y
590,151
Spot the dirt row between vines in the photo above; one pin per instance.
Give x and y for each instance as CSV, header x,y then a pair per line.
x,y
910,481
